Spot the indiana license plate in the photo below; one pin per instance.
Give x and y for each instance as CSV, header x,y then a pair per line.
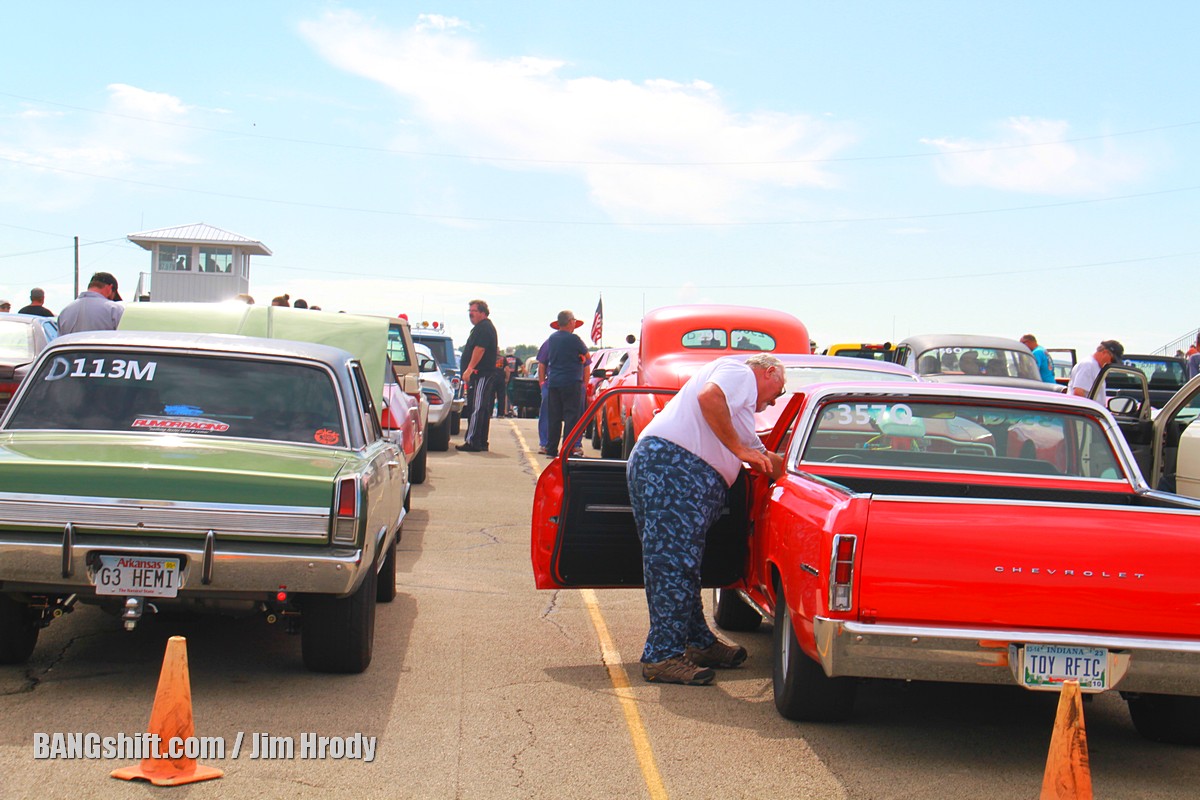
x,y
1046,666
142,576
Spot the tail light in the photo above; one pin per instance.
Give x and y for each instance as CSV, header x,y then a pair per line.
x,y
386,420
841,573
345,524
433,397
7,390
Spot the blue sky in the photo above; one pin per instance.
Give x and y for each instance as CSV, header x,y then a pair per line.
x,y
877,169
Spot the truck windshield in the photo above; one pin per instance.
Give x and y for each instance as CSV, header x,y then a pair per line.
x,y
961,437
182,394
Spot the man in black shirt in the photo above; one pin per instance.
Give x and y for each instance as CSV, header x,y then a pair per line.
x,y
481,376
36,298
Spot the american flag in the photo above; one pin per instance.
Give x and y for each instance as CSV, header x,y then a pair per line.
x,y
598,322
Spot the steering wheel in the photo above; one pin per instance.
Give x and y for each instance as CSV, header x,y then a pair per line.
x,y
845,458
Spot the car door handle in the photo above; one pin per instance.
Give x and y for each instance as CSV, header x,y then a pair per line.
x,y
393,464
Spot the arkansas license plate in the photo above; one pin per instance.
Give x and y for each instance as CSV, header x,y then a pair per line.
x,y
1046,666
143,576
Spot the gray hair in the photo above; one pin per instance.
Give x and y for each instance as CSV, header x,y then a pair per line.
x,y
37,294
565,318
763,361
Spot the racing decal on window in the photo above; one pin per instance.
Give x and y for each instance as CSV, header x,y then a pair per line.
x,y
114,368
326,436
186,425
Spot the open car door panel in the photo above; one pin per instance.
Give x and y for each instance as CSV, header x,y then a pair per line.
x,y
584,534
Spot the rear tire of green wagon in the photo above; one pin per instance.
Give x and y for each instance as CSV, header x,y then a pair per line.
x,y
416,467
18,631
802,689
385,589
1166,718
338,634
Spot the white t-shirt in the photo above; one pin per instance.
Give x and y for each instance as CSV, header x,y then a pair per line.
x,y
682,421
1083,376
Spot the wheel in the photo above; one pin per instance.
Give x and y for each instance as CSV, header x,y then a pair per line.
x,y
385,587
438,438
732,613
597,436
18,631
338,634
416,467
802,689
628,440
1166,718
455,422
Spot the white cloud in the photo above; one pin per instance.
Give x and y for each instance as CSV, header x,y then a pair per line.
x,y
527,110
71,146
1032,155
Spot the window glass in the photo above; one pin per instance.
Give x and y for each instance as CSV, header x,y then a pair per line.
x,y
16,341
216,260
174,258
371,426
752,340
966,437
987,361
706,339
396,346
799,377
114,390
1160,374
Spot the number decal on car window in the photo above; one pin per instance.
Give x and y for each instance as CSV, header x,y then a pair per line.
x,y
864,413
116,368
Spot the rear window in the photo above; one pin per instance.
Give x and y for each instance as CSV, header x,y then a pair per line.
x,y
992,362
961,438
720,339
16,341
1159,374
182,394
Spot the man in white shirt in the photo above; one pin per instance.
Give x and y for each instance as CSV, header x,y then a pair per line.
x,y
1084,374
679,475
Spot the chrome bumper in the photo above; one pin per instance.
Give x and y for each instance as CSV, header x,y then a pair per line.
x,y
978,655
39,564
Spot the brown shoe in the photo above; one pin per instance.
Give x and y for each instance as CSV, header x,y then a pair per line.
x,y
677,669
718,654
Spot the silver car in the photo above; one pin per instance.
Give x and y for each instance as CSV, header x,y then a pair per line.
x,y
967,358
437,391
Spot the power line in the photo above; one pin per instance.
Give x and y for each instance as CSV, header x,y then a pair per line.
x,y
598,163
606,223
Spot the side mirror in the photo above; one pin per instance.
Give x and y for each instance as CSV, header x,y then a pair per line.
x,y
411,384
1123,406
599,372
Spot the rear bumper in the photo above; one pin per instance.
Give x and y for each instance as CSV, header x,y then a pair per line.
x,y
971,655
42,565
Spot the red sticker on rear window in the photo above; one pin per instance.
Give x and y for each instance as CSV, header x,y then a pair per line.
x,y
326,436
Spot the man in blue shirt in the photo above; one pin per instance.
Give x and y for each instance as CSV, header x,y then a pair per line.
x,y
1045,368
566,355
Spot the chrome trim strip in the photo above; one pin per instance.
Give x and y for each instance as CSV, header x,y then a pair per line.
x,y
134,515
605,508
1009,503
1113,642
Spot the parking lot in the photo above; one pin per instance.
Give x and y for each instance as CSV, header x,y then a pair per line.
x,y
483,687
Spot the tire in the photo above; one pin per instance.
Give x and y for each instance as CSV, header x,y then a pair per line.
x,y
18,631
595,434
338,634
732,613
455,423
385,585
628,440
1166,718
438,438
802,689
416,467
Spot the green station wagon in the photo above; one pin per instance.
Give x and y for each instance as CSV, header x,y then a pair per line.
x,y
146,469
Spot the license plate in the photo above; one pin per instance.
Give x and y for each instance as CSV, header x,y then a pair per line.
x,y
1046,666
142,576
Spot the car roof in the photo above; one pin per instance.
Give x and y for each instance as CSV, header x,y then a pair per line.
x,y
929,341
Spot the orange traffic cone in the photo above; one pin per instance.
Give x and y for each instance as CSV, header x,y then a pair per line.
x,y
1068,774
171,719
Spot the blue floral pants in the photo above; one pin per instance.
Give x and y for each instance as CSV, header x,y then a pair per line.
x,y
676,497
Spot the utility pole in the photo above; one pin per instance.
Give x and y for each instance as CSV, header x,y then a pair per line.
x,y
76,294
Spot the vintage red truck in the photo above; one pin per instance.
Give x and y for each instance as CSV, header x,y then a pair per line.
x,y
930,532
676,341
